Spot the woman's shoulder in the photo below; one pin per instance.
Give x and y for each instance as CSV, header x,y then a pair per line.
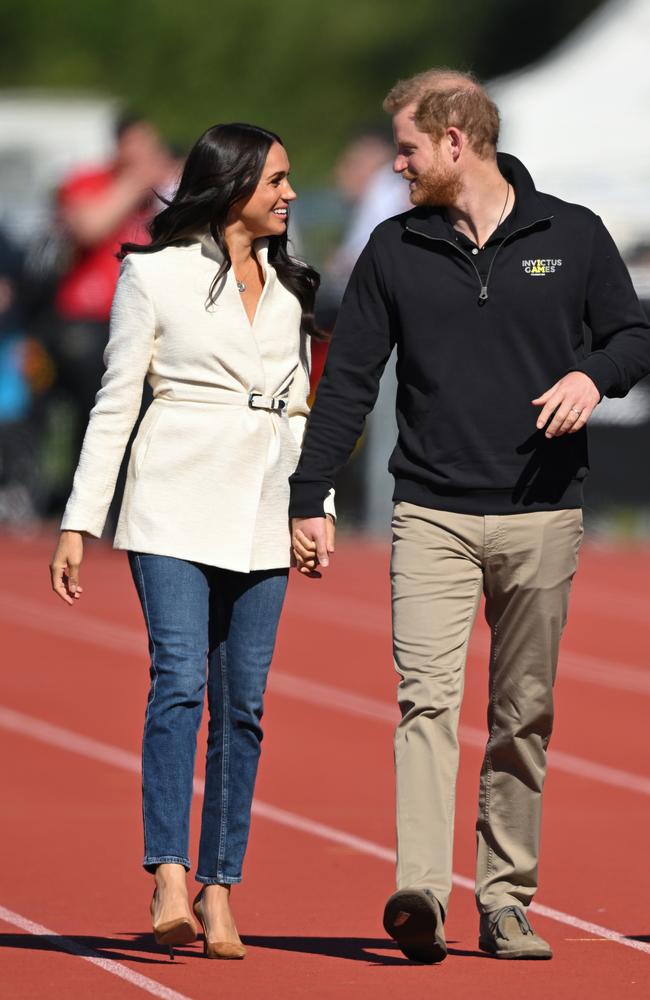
x,y
152,259
156,265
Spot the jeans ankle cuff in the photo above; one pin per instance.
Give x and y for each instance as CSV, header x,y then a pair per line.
x,y
218,879
150,863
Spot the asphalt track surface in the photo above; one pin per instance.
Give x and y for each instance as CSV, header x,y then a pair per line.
x,y
74,902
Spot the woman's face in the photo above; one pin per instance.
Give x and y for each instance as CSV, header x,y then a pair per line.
x,y
266,212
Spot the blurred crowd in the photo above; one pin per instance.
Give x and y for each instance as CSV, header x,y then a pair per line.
x,y
55,299
56,291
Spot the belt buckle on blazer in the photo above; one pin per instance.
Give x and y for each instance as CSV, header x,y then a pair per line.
x,y
276,405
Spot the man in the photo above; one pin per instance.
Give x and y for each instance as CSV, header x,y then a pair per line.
x,y
483,287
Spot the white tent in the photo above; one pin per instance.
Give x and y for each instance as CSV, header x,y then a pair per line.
x,y
43,135
579,118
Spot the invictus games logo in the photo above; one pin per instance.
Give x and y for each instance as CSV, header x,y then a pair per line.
x,y
541,266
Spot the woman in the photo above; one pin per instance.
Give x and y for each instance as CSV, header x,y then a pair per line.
x,y
217,316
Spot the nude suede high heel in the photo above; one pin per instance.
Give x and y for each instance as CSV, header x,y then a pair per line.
x,y
216,949
173,933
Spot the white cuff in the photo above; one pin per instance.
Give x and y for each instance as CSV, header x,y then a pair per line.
x,y
328,504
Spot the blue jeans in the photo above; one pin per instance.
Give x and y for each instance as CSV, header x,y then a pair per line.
x,y
216,627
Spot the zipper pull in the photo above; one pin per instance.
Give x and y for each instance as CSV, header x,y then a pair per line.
x,y
484,294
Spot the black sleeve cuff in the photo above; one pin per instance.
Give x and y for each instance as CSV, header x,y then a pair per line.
x,y
307,499
602,371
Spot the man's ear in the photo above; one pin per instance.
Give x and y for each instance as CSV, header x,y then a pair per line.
x,y
456,141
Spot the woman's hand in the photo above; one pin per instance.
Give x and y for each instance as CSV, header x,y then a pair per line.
x,y
313,539
64,568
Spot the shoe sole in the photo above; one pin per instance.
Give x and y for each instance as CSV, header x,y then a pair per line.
x,y
413,920
224,951
175,933
522,954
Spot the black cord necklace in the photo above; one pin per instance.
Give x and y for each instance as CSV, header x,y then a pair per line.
x,y
502,210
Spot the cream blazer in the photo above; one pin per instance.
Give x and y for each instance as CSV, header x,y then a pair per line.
x,y
208,475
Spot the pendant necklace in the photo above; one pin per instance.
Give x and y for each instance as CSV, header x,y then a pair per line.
x,y
241,285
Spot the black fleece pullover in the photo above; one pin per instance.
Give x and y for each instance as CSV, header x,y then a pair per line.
x,y
472,352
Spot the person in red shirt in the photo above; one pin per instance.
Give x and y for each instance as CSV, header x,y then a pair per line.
x,y
99,209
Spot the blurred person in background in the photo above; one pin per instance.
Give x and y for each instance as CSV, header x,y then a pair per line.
x,y
98,210
365,177
484,287
219,318
18,437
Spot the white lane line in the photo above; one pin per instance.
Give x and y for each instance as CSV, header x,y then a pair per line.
x,y
107,754
588,598
130,640
71,625
365,616
369,616
327,696
385,854
89,955
66,739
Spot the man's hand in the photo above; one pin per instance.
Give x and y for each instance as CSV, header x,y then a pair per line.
x,y
312,540
573,399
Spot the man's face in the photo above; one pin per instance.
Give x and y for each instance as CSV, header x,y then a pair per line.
x,y
426,165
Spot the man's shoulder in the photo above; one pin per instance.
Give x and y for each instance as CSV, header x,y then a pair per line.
x,y
391,230
568,211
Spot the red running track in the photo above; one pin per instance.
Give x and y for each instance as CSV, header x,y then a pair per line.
x,y
73,901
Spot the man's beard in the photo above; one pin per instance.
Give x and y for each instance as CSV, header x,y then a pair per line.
x,y
438,186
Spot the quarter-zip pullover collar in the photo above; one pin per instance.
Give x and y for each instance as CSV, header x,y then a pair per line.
x,y
432,221
433,224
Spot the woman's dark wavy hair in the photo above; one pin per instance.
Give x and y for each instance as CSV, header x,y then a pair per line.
x,y
223,167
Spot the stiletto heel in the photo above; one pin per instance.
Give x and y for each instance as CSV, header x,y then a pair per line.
x,y
173,933
216,949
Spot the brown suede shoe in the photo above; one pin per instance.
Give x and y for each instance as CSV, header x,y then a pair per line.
x,y
506,933
414,918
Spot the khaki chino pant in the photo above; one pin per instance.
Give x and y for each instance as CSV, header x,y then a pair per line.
x,y
441,562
